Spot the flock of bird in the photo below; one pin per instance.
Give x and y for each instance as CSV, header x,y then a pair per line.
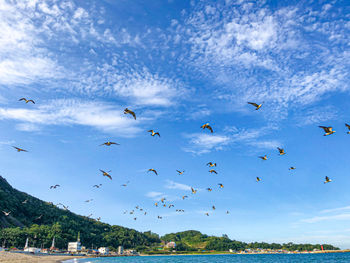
x,y
162,202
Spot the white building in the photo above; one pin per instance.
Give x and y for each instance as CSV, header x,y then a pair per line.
x,y
74,247
103,250
171,244
32,250
120,250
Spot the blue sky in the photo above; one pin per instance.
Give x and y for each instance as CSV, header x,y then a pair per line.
x,y
180,64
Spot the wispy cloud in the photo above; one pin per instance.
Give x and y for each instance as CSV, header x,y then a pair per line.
x,y
336,209
99,115
316,219
174,185
204,143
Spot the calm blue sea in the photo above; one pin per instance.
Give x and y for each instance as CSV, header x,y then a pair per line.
x,y
290,258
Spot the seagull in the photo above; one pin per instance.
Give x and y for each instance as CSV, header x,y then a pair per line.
x,y
88,201
39,217
281,151
137,207
19,149
185,196
257,106
211,164
127,111
164,205
348,126
264,158
207,214
193,190
327,130
54,186
227,212
6,213
25,201
156,204
154,133
170,206
212,171
221,185
152,170
126,184
180,173
135,218
26,100
258,179
106,174
213,207
327,180
109,143
89,216
163,199
292,168
209,189
98,219
145,213
97,186
207,126
159,217
65,207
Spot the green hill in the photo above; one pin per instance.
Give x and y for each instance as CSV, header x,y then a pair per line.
x,y
41,221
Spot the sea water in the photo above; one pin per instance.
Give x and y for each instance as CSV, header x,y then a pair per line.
x,y
275,258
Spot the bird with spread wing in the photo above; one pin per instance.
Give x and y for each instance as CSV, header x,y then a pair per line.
x,y
109,143
19,149
328,130
152,170
54,186
281,151
207,126
257,106
153,133
106,174
347,126
210,164
26,101
180,172
127,111
327,180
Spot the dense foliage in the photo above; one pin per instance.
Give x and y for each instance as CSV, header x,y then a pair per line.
x,y
41,221
195,240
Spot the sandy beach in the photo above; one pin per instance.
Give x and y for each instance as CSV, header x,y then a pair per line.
x,y
24,258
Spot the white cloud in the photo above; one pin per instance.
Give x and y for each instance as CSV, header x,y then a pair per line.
x,y
174,185
203,143
156,195
99,115
316,219
336,209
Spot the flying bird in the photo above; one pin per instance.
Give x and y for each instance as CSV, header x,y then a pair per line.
x,y
258,179
185,196
207,214
89,216
135,218
19,149
26,100
65,207
348,126
25,201
6,213
54,186
221,185
159,217
156,204
145,213
97,186
109,143
153,133
193,190
152,170
211,164
88,201
327,130
327,180
39,217
164,205
126,184
180,173
106,174
264,158
227,212
281,151
209,189
98,219
207,126
170,206
163,199
127,111
213,207
257,106
213,171
292,168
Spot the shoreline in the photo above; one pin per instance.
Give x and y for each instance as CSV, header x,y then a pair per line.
x,y
10,257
